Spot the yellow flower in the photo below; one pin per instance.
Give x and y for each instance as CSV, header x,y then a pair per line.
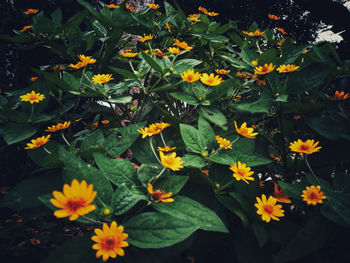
x,y
267,68
30,11
113,6
38,142
153,129
268,208
153,6
129,54
281,30
194,19
202,9
145,38
212,14
32,97
102,78
182,45
159,195
245,131
222,71
129,7
171,161
339,96
75,200
174,50
224,143
168,27
32,79
254,62
166,149
287,68
86,59
280,195
110,241
193,15
307,147
242,172
58,127
211,80
159,53
77,66
312,195
105,121
25,28
257,33
190,76
273,17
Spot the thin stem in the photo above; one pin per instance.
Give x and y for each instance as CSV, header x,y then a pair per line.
x,y
224,186
99,199
92,220
257,45
161,136
154,152
46,150
312,172
64,138
31,113
159,175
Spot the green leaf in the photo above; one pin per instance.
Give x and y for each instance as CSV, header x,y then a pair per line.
x,y
268,57
125,73
152,62
193,140
25,194
141,150
260,233
129,134
189,210
171,183
56,17
184,64
234,207
91,144
232,156
193,161
207,132
156,230
262,105
239,64
121,99
123,199
16,132
292,190
118,171
75,168
249,55
339,203
146,173
182,96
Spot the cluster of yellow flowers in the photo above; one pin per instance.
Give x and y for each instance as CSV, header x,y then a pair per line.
x,y
84,61
210,80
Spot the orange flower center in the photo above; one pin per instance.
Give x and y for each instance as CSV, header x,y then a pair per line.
x,y
313,196
210,81
33,97
74,205
268,209
157,194
109,243
241,173
190,77
304,147
39,143
264,69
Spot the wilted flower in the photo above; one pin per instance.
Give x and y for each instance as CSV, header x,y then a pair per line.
x,y
224,143
25,28
202,9
339,96
281,30
105,121
257,33
153,6
159,195
32,79
166,149
182,45
222,71
129,7
113,6
280,195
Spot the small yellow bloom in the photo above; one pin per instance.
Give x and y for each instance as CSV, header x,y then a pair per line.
x,y
171,161
30,11
224,143
113,6
194,19
129,7
242,172
268,209
222,71
245,131
182,45
273,17
254,62
339,96
102,78
58,127
153,6
153,129
281,30
159,195
312,195
145,38
211,80
280,195
32,79
38,142
105,121
257,33
287,68
174,50
32,97
77,66
166,149
129,54
74,201
202,9
110,241
267,68
190,76
212,14
307,147
86,59
25,28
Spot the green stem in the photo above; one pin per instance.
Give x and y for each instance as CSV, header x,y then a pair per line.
x,y
224,186
99,199
161,136
159,175
154,152
46,150
64,138
312,172
92,220
31,113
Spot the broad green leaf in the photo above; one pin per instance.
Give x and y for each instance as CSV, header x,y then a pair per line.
x,y
123,199
260,233
152,62
92,143
182,96
292,190
193,161
269,56
157,230
231,157
340,203
248,55
172,183
189,210
235,62
141,150
146,173
43,159
184,64
75,168
193,140
234,207
125,73
207,132
214,115
121,99
17,132
262,105
118,171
